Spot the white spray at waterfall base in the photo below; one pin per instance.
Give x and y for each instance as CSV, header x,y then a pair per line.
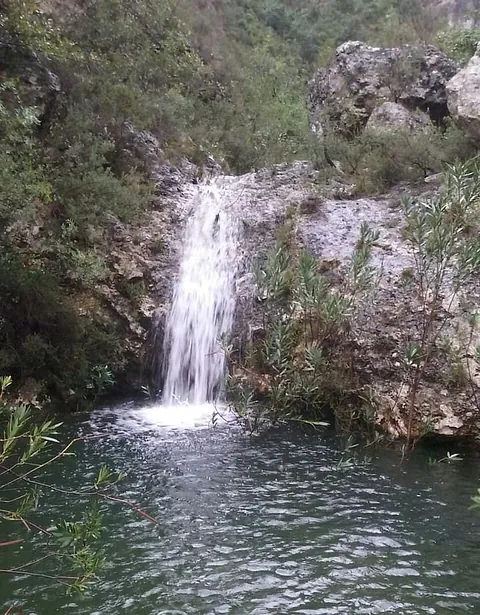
x,y
203,303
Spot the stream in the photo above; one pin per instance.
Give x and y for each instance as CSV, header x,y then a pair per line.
x,y
260,526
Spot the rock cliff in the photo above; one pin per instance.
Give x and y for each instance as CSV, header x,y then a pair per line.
x,y
459,12
330,229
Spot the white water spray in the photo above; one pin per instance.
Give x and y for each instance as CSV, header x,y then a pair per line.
x,y
203,303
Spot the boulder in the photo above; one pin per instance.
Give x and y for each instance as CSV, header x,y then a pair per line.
x,y
361,78
391,116
463,96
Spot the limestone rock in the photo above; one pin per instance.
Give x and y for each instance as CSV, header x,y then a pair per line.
x,y
462,13
329,229
449,423
139,145
128,269
361,78
435,179
391,116
463,93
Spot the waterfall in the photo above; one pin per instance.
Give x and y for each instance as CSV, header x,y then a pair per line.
x,y
203,302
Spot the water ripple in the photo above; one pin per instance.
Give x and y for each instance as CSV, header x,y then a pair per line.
x,y
272,527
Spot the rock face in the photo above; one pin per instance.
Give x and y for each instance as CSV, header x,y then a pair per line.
x,y
38,85
145,254
463,93
392,116
458,12
329,228
362,78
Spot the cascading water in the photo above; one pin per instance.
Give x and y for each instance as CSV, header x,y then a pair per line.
x,y
203,303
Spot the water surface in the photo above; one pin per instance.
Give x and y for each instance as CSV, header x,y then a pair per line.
x,y
265,526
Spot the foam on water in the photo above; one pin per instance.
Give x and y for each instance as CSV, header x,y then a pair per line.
x,y
183,416
130,419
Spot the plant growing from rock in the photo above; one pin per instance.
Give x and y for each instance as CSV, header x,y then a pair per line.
x,y
441,231
401,73
303,364
476,500
377,160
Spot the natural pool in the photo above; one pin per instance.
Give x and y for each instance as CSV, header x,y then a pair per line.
x,y
265,526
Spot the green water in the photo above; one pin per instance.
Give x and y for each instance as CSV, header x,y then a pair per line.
x,y
269,526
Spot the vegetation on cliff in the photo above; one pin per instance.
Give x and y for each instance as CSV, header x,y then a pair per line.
x,y
78,79
226,79
303,363
371,348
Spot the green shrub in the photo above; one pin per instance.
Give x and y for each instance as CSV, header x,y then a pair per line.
x,y
459,43
91,195
443,233
70,550
376,162
42,337
133,290
23,177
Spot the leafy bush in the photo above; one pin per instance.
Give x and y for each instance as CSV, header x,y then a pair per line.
x,y
69,553
22,175
443,234
378,161
42,337
90,195
459,43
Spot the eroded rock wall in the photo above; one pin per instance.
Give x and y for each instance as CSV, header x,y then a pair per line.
x,y
459,12
390,319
